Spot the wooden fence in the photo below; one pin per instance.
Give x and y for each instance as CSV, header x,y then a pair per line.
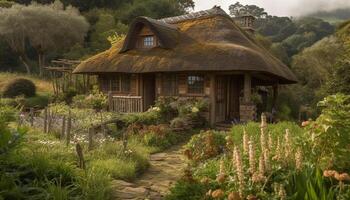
x,y
126,104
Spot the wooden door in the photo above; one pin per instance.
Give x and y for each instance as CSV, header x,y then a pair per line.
x,y
149,90
233,102
221,98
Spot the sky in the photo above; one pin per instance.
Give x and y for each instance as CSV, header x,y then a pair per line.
x,y
279,7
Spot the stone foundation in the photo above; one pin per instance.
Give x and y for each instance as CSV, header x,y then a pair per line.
x,y
247,112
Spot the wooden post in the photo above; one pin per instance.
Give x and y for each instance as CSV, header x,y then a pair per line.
x,y
247,88
110,101
31,115
80,154
91,133
45,120
69,126
275,95
49,124
212,100
63,127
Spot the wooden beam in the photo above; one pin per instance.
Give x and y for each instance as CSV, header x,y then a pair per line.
x,y
247,88
212,100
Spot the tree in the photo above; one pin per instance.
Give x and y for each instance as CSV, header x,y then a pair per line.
x,y
238,9
46,28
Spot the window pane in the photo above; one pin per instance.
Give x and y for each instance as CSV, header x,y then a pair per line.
x,y
148,41
169,85
125,82
115,83
195,84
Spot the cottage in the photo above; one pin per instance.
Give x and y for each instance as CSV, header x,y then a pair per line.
x,y
199,55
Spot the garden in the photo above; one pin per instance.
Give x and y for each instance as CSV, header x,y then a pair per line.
x,y
74,148
272,161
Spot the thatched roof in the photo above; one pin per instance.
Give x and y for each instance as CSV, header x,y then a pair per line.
x,y
203,41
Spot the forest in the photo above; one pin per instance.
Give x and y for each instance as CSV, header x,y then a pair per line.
x,y
66,143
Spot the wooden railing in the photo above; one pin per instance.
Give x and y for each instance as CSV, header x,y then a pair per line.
x,y
126,104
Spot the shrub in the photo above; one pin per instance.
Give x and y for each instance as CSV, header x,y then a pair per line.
x,y
18,87
187,191
205,145
37,101
330,136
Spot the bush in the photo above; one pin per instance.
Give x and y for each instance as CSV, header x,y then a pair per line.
x,y
329,134
187,191
205,145
18,87
37,102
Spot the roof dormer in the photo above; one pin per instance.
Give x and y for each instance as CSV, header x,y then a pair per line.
x,y
147,33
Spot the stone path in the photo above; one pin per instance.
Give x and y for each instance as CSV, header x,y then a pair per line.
x,y
165,169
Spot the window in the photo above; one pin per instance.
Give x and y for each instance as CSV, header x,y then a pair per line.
x,y
116,83
148,41
125,83
195,84
169,84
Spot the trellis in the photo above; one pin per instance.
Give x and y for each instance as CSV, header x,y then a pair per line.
x,y
61,74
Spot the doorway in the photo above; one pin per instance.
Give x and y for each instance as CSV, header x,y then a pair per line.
x,y
149,90
227,98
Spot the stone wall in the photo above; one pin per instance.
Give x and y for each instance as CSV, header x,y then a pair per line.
x,y
247,112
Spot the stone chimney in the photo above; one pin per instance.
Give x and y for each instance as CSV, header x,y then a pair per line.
x,y
246,22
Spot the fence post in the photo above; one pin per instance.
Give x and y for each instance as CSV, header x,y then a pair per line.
x,y
45,120
63,127
49,124
69,126
31,115
91,133
80,154
110,101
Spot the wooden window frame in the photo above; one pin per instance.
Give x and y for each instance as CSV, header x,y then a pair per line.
x,y
106,83
170,85
195,90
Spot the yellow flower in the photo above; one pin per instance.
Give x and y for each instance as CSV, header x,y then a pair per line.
x,y
195,110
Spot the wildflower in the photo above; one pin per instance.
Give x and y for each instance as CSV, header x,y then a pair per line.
x,y
329,173
342,177
252,197
245,141
209,193
278,151
217,194
195,110
298,159
258,178
222,167
270,142
282,192
205,180
262,139
233,196
288,145
262,165
251,157
267,160
239,169
305,123
221,178
229,141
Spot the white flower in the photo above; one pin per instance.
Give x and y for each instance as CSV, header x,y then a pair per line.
x,y
195,110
